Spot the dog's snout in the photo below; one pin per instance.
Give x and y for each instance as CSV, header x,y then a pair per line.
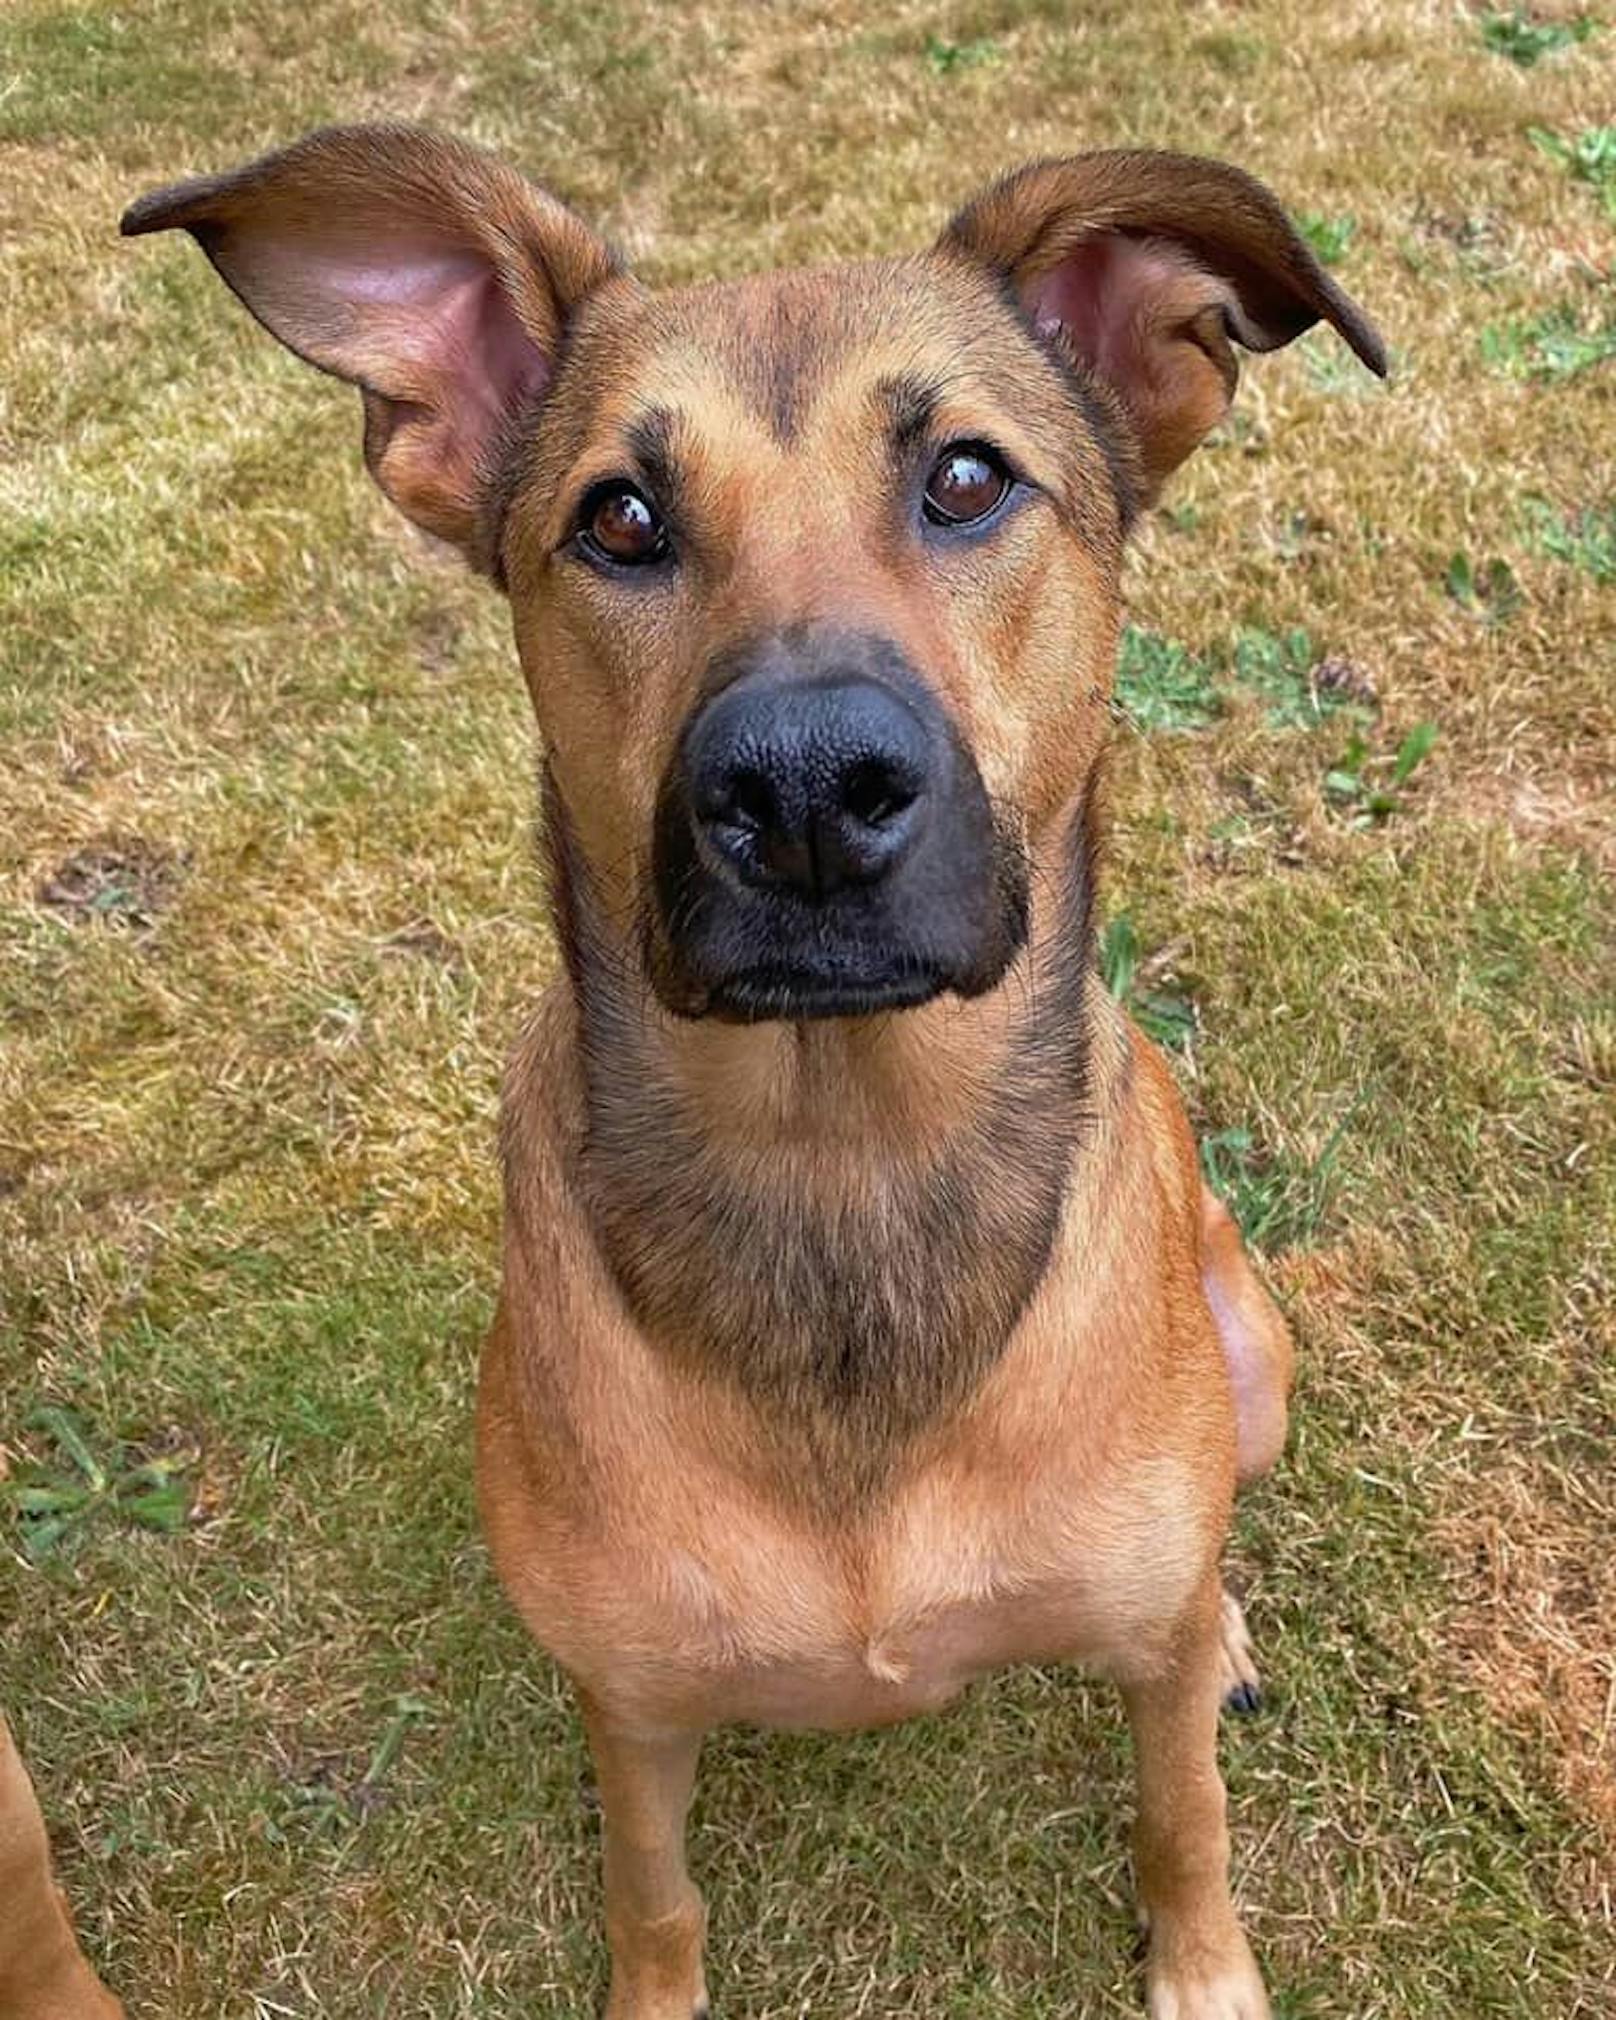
x,y
824,845
808,786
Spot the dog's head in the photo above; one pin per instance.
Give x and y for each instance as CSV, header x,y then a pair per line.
x,y
814,575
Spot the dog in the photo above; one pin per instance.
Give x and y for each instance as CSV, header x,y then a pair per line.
x,y
43,1974
865,1324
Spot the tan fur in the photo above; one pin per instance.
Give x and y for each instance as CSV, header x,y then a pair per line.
x,y
43,1976
838,1363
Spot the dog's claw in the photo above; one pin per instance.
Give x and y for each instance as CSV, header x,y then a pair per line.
x,y
1242,1687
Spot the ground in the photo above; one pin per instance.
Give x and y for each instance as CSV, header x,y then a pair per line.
x,y
269,920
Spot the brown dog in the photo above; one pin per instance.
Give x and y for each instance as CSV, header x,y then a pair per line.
x,y
865,1323
43,1976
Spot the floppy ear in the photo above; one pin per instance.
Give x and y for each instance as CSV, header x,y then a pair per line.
x,y
419,269
1146,269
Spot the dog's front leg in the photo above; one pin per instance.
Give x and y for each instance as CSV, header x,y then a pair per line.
x,y
1200,1965
655,1920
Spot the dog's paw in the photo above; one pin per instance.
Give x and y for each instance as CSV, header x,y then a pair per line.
x,y
656,2007
1227,1988
1242,1687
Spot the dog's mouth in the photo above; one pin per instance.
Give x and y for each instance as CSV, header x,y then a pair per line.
x,y
691,976
762,994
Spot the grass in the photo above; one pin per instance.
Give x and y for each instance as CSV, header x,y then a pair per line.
x,y
268,923
1585,539
1589,156
1526,41
1549,347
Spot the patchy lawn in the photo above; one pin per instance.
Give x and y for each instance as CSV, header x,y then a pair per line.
x,y
268,921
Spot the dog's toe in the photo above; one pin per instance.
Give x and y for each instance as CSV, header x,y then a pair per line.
x,y
1242,1687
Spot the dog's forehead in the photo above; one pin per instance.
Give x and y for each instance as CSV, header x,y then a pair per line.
x,y
779,346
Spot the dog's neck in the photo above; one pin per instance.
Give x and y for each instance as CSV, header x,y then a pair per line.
x,y
842,1219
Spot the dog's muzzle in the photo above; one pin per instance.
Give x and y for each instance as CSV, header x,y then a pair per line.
x,y
824,846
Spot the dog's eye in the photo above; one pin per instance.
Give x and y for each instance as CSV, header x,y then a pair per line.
x,y
618,524
967,481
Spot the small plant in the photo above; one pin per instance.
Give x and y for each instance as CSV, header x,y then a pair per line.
x,y
55,1501
1281,669
1585,539
1277,1200
1329,237
1162,1014
324,1805
1161,685
1355,780
1552,347
947,57
1526,41
1489,593
1590,158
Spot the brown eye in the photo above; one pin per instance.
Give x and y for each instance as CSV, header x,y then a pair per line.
x,y
617,524
967,481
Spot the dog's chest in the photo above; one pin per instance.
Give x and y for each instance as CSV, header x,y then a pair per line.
x,y
784,1631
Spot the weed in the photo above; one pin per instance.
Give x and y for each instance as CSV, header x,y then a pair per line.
x,y
1526,41
1161,685
1584,539
1282,670
1489,593
323,1804
1161,1012
1549,347
55,1501
1589,158
1370,787
945,57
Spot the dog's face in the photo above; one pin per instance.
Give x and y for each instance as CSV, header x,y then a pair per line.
x,y
813,579
813,575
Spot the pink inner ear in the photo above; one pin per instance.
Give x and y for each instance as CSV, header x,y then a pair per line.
x,y
466,334
1109,296
427,323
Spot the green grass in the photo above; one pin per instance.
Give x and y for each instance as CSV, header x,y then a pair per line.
x,y
1330,237
1161,685
269,922
1550,347
1526,41
1585,539
1589,156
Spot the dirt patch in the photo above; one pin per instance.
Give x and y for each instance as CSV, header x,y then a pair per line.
x,y
119,878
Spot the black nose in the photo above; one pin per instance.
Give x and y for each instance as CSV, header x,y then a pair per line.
x,y
809,785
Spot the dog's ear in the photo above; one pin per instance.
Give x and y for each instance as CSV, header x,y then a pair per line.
x,y
429,275
1146,269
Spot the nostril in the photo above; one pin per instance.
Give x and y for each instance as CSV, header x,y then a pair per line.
x,y
751,802
873,793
